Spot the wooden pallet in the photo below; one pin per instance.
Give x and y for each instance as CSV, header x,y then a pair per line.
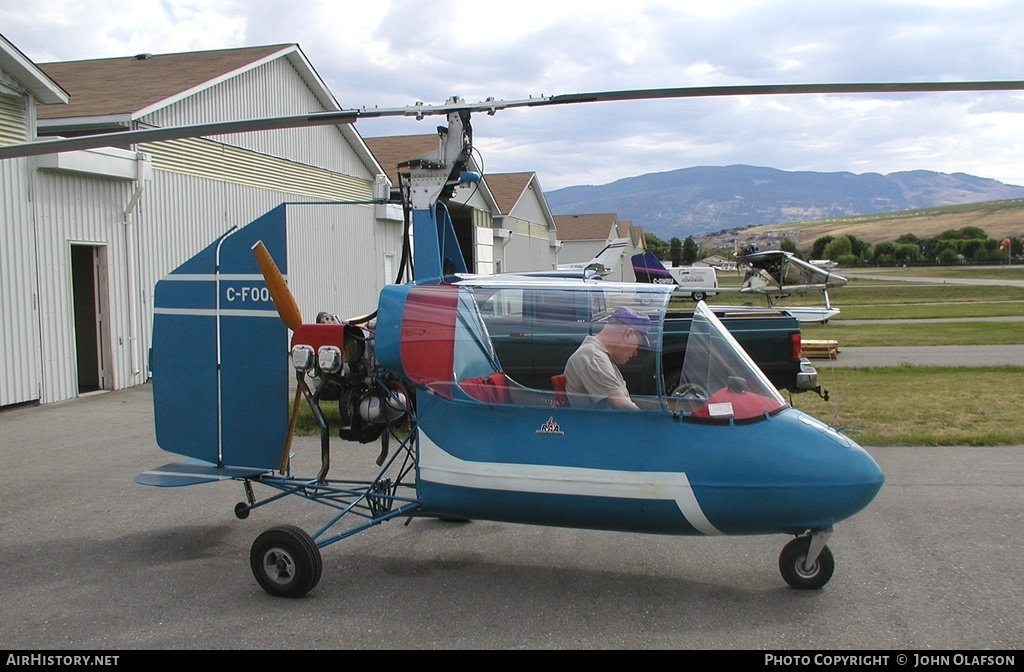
x,y
820,349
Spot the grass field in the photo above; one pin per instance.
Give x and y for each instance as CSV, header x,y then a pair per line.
x,y
928,333
921,405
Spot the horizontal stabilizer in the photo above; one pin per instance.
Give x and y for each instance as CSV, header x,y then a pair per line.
x,y
191,472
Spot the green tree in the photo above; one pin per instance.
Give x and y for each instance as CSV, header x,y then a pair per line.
x,y
884,253
655,245
675,251
907,253
837,247
971,248
965,232
788,245
818,248
859,248
690,250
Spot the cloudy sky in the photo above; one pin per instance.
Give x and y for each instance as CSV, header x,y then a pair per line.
x,y
394,53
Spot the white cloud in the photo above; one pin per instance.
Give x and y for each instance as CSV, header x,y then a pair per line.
x,y
396,52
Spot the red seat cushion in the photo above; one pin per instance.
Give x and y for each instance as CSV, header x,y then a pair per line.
x,y
492,389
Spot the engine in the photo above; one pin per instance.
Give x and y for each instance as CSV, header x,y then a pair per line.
x,y
335,362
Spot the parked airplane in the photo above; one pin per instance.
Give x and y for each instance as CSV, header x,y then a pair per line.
x,y
774,274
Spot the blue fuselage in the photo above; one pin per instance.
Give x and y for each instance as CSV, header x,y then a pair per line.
x,y
638,471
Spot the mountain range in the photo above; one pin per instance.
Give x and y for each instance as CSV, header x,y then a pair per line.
x,y
705,199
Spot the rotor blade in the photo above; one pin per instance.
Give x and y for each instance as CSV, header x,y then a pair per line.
x,y
285,303
129,138
782,89
420,110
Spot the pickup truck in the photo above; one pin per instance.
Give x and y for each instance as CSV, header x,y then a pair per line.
x,y
534,331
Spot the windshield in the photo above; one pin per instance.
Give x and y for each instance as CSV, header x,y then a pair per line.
x,y
520,335
535,326
719,380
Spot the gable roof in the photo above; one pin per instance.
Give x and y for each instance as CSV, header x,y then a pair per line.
x,y
29,75
128,88
508,188
596,226
392,150
114,92
638,236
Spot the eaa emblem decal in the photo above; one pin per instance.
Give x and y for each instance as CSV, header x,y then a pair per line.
x,y
550,427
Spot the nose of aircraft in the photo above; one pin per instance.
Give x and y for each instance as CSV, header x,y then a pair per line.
x,y
849,477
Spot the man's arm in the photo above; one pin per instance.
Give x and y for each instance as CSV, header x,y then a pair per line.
x,y
621,401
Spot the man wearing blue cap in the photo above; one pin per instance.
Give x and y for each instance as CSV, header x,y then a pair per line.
x,y
592,375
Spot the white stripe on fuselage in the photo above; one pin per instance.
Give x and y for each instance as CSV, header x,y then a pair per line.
x,y
439,466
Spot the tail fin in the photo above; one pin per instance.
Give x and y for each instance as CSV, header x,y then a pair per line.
x,y
647,268
606,261
608,258
220,353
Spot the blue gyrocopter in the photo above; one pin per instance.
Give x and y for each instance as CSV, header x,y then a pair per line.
x,y
713,450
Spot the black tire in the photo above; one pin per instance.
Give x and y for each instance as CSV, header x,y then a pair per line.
x,y
699,296
791,564
241,510
286,561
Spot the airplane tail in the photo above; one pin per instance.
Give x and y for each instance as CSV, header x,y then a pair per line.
x,y
609,257
219,359
606,261
647,268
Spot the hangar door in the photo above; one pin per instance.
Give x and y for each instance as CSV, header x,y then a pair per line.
x,y
89,298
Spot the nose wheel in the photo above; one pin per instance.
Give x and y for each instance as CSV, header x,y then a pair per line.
x,y
286,561
806,563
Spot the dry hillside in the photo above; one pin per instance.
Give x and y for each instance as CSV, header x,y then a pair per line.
x,y
997,218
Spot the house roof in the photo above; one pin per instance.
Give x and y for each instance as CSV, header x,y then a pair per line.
x,y
29,75
392,150
638,237
508,188
113,92
596,226
134,86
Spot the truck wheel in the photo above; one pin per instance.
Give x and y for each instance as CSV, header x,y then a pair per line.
x,y
699,296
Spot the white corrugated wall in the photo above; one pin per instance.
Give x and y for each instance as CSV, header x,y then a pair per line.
x,y
19,318
199,189
74,209
338,258
19,335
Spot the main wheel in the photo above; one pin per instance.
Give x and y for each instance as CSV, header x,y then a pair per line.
x,y
286,561
699,296
791,564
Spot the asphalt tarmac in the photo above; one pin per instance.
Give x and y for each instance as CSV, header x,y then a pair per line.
x,y
94,562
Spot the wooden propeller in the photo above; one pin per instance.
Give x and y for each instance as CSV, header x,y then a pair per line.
x,y
288,310
285,303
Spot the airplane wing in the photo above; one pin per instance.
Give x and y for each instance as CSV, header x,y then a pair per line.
x,y
773,290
